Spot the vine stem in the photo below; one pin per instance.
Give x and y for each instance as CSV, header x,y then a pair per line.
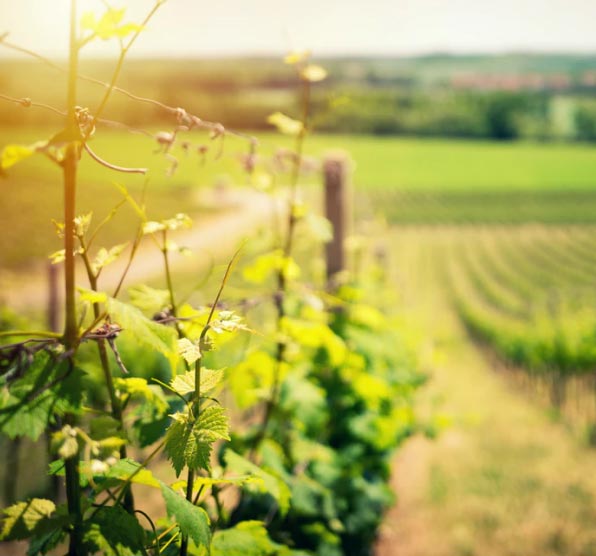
x,y
115,405
281,275
72,473
196,408
190,482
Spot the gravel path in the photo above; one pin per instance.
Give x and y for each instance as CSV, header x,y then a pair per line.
x,y
213,239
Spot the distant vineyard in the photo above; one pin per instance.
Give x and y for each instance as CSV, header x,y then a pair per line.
x,y
484,206
529,295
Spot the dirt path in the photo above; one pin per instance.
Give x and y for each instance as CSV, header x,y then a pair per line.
x,y
504,479
211,240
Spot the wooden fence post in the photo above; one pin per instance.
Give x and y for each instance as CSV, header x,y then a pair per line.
x,y
53,311
335,171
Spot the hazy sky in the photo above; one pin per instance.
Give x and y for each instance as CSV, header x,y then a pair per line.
x,y
218,27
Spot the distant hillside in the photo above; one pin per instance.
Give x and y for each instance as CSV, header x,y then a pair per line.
x,y
505,96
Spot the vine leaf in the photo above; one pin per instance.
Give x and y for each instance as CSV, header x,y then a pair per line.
x,y
105,257
192,521
81,224
297,57
108,25
91,296
145,331
285,124
130,470
313,73
149,300
29,405
189,444
272,484
185,383
114,532
190,352
25,519
180,221
138,388
268,264
13,154
247,538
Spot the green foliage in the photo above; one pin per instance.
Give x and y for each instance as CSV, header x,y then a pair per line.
x,y
149,300
247,538
191,520
105,257
138,388
13,154
114,532
25,519
265,266
285,124
185,383
305,478
189,441
49,387
109,25
271,484
146,332
190,352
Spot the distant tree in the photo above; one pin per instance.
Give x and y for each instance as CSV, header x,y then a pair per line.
x,y
585,122
501,112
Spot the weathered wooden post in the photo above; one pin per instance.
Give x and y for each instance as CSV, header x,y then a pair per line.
x,y
335,172
53,312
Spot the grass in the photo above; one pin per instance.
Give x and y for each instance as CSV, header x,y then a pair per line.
x,y
417,181
380,162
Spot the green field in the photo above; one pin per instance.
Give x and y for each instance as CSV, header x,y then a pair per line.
x,y
402,163
413,180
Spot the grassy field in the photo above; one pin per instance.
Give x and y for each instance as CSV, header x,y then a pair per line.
x,y
413,180
380,162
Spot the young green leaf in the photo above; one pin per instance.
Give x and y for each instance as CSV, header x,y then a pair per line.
x,y
297,57
192,521
65,442
81,224
91,296
190,352
313,73
185,383
285,124
137,387
29,415
109,24
57,256
266,265
24,519
13,154
227,321
189,444
104,256
130,470
180,222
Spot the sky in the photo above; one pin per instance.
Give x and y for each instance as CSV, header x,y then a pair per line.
x,y
194,28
